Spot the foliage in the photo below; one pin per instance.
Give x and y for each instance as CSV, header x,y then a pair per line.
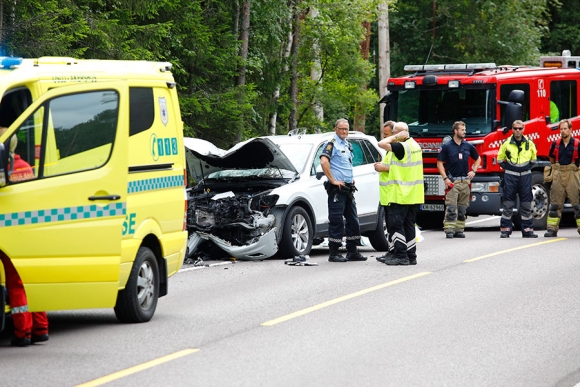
x,y
201,39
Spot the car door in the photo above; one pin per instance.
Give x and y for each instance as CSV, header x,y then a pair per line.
x,y
62,225
366,178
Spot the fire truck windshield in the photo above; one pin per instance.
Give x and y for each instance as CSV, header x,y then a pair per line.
x,y
431,112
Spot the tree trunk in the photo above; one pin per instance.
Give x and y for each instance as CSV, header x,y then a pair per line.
x,y
276,93
245,38
359,110
384,56
292,122
316,74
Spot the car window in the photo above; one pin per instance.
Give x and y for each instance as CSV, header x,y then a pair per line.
x,y
316,162
297,154
372,154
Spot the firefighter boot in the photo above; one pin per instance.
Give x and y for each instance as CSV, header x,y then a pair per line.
x,y
353,254
551,233
334,255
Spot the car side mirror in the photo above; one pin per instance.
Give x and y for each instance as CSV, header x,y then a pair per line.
x,y
319,172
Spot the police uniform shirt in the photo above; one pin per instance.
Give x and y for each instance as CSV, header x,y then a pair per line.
x,y
455,157
565,153
339,152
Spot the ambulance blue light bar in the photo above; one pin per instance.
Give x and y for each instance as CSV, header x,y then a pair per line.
x,y
9,61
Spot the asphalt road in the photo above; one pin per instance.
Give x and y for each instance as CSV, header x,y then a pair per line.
x,y
481,311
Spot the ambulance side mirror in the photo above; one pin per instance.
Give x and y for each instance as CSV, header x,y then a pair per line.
x,y
3,165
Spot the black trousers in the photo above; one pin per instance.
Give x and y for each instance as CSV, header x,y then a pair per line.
x,y
343,220
401,226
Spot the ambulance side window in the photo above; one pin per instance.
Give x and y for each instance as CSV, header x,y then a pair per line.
x,y
78,132
141,109
562,100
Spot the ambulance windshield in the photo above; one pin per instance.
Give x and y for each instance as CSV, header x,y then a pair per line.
x,y
432,112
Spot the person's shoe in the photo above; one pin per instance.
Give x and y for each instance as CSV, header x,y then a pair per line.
x,y
412,261
459,234
39,338
355,257
579,231
382,258
397,261
449,235
550,234
529,235
504,235
20,342
336,258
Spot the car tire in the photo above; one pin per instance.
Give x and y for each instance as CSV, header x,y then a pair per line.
x,y
138,301
430,220
297,234
378,238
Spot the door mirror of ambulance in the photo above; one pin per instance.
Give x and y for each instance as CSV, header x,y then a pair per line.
x,y
3,165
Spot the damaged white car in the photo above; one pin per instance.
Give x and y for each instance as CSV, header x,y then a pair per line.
x,y
264,196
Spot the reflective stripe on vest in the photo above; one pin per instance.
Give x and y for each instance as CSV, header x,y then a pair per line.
x,y
405,184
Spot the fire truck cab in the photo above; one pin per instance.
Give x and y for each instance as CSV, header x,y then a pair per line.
x,y
488,98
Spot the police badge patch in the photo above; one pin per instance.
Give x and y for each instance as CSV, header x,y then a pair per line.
x,y
163,110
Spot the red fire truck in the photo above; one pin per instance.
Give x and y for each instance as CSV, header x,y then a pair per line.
x,y
488,98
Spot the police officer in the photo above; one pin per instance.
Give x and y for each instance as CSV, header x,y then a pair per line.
x,y
453,167
516,156
404,194
336,162
564,162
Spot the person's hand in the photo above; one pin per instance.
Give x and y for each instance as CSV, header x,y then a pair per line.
x,y
402,136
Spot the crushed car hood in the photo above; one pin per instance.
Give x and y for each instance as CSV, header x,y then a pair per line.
x,y
204,158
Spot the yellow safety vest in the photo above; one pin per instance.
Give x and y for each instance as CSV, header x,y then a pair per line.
x,y
405,183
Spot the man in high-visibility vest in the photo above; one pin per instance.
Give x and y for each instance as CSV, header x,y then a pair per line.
x,y
565,178
383,169
516,156
405,192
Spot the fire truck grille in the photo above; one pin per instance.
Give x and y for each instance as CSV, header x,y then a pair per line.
x,y
434,185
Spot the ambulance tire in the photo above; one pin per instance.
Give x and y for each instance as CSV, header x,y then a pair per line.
x,y
297,234
138,301
378,237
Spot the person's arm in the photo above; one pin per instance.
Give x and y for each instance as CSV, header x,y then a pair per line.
x,y
381,167
386,142
441,169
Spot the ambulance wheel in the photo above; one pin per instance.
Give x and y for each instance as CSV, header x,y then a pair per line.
x,y
137,302
540,201
378,238
297,234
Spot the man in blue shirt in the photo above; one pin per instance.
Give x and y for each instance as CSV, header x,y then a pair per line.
x,y
452,163
336,162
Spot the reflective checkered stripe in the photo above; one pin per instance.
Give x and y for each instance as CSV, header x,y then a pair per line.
x,y
156,183
62,214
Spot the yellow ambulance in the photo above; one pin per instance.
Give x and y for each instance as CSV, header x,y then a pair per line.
x,y
92,183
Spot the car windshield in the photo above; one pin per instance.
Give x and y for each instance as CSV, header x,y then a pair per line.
x,y
433,112
297,154
254,173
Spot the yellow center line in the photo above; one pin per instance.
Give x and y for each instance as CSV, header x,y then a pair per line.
x,y
340,299
514,249
138,368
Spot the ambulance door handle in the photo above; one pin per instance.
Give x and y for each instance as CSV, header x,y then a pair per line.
x,y
106,197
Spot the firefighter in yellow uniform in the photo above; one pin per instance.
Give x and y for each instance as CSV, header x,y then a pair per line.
x,y
516,156
565,178
405,192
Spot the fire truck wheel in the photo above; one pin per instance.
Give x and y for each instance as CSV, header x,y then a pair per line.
x,y
430,220
540,201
